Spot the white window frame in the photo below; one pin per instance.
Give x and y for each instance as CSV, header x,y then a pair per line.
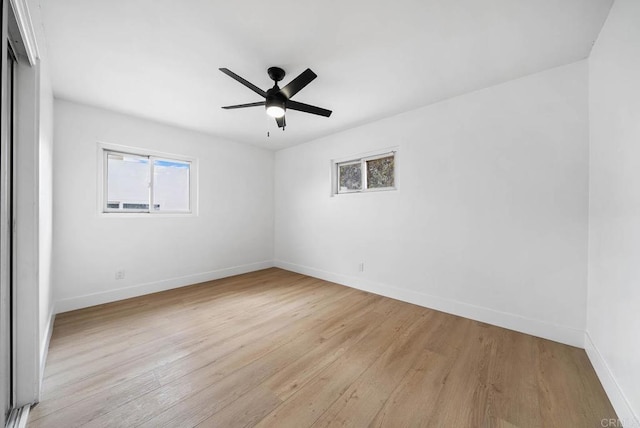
x,y
105,149
362,160
362,180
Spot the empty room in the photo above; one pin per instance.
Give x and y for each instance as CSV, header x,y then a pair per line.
x,y
305,214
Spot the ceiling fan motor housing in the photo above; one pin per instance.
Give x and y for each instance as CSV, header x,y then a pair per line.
x,y
275,99
276,73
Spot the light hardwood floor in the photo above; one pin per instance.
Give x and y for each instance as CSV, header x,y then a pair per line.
x,y
275,348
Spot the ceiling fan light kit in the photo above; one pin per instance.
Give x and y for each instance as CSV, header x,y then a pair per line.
x,y
275,110
277,100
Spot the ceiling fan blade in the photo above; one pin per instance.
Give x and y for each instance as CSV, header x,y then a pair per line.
x,y
246,83
260,103
298,83
281,122
294,105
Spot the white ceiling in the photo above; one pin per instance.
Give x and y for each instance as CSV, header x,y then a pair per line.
x,y
159,59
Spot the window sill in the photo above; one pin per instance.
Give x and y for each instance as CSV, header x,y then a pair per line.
x,y
146,215
360,192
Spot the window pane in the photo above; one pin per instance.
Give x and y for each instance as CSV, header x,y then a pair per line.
x,y
170,185
380,173
128,179
350,177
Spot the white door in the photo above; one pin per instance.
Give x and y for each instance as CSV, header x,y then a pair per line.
x,y
6,226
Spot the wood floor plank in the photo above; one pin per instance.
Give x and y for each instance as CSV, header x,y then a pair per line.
x,y
93,319
179,336
223,362
276,348
295,376
463,399
180,360
566,379
360,403
245,374
96,405
168,325
419,389
320,393
513,397
416,394
239,414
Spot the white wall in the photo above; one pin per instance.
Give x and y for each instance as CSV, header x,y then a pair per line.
x,y
233,232
490,219
45,215
45,187
613,323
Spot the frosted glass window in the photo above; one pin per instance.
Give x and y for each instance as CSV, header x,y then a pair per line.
x,y
139,183
369,173
380,173
350,177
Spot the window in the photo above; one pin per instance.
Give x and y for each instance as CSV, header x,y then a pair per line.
x,y
136,183
366,174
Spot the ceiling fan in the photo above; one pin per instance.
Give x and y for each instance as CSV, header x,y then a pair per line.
x,y
277,100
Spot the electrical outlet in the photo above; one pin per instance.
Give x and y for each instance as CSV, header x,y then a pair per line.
x,y
120,274
361,267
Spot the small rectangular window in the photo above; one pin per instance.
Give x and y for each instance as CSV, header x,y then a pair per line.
x,y
349,177
380,173
135,182
365,174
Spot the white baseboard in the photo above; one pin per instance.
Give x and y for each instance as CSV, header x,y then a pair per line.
x,y
621,405
44,346
78,302
558,333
